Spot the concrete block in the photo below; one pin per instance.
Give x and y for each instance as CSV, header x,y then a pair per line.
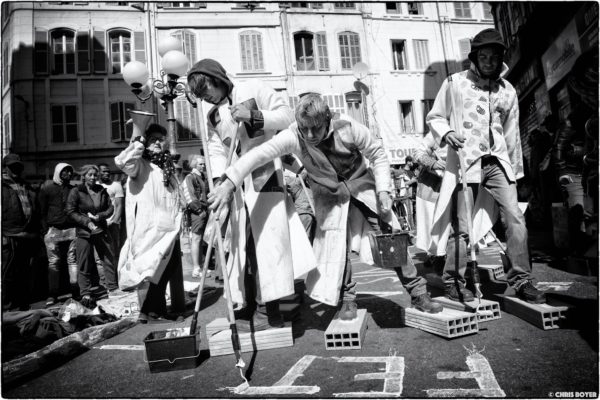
x,y
449,323
496,271
346,335
488,310
219,338
544,316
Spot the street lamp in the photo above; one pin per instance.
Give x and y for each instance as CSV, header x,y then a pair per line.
x,y
174,64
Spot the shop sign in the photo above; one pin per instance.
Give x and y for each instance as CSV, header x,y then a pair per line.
x,y
558,60
587,26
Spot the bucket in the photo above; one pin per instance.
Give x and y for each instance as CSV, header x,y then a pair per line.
x,y
389,250
172,349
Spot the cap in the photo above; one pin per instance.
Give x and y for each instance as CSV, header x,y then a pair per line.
x,y
11,159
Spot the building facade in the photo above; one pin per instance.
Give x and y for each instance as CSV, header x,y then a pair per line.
x,y
544,40
64,98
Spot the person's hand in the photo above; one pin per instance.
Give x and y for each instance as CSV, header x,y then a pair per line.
x,y
385,202
92,226
454,140
93,217
138,148
220,197
439,165
240,113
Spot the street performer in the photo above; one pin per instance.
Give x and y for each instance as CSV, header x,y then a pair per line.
x,y
488,140
334,150
269,247
153,211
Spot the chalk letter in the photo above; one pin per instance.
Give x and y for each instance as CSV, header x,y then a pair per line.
x,y
392,377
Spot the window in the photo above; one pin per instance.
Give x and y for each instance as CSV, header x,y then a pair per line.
x,y
399,54
462,10
487,11
464,47
252,51
118,116
311,51
64,123
421,53
349,49
181,4
426,105
304,4
63,52
336,103
343,5
188,40
120,50
415,8
392,8
188,124
407,122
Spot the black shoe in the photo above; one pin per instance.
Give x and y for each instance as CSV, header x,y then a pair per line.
x,y
266,316
458,292
526,291
424,303
88,302
348,310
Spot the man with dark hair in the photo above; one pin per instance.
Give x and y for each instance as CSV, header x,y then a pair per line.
x,y
58,230
349,197
117,197
261,267
485,133
153,211
20,227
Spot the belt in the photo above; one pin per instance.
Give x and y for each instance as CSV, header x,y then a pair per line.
x,y
277,189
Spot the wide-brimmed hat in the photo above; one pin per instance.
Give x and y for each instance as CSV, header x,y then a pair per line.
x,y
487,37
11,159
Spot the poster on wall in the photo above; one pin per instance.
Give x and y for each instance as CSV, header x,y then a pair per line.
x,y
398,146
558,60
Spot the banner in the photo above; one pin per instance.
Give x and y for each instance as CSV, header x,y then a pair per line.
x,y
397,146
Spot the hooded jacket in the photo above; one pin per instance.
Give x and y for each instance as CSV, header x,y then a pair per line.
x,y
53,199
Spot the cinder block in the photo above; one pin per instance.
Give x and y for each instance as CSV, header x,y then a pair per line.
x,y
544,316
346,335
496,271
488,310
449,323
219,338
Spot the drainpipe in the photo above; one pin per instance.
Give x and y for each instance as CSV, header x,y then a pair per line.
x,y
437,6
285,36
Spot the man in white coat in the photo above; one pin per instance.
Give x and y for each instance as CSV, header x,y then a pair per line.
x,y
347,195
264,225
486,134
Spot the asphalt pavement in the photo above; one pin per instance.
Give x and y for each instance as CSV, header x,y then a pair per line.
x,y
508,357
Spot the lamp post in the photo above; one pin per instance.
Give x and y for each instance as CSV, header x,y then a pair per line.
x,y
174,65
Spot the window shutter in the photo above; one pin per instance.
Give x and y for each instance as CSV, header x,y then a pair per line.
x,y
139,46
115,125
41,51
259,47
322,55
83,52
99,52
189,45
421,53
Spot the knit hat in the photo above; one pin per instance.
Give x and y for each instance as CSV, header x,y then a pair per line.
x,y
487,37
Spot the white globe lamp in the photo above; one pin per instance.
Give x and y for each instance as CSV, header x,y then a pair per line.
x,y
174,62
168,44
135,74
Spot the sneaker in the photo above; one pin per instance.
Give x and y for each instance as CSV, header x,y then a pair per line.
x,y
424,303
458,292
348,310
51,301
526,291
